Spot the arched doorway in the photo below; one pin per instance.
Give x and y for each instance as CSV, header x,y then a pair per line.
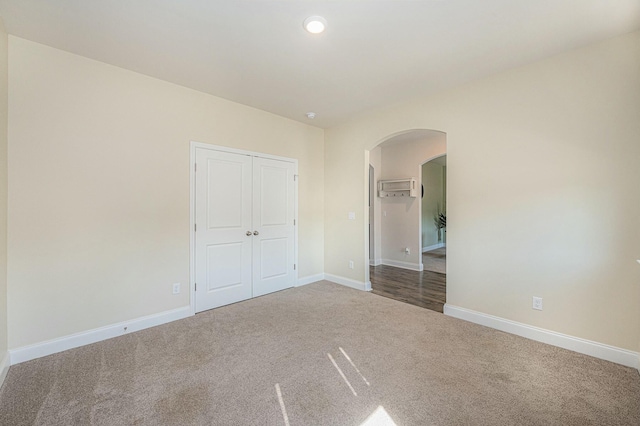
x,y
396,268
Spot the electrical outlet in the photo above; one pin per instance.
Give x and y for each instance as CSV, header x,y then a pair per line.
x,y
351,264
352,215
407,250
537,303
176,288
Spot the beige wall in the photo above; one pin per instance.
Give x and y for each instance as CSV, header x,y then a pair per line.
x,y
401,225
542,190
3,191
433,201
376,161
99,188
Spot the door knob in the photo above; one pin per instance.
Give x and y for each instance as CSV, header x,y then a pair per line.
x,y
256,233
248,233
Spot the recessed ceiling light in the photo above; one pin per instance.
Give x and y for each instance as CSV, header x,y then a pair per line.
x,y
311,115
315,24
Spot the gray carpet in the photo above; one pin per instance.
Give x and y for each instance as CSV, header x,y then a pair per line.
x,y
226,367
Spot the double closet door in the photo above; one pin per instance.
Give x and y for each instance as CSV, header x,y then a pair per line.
x,y
244,234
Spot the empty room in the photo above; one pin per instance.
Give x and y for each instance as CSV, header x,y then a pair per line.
x,y
198,199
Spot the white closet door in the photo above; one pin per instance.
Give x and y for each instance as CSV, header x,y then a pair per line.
x,y
273,214
223,219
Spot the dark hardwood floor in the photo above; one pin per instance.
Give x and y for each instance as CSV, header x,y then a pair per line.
x,y
426,289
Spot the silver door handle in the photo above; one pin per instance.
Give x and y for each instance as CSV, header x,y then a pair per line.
x,y
248,233
256,233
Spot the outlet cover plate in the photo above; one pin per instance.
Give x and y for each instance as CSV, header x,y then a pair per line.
x,y
537,303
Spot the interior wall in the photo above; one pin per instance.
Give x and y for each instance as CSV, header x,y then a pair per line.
x,y
542,190
401,215
432,202
444,187
99,189
3,198
376,161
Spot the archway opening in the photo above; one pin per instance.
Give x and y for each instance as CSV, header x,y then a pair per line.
x,y
394,204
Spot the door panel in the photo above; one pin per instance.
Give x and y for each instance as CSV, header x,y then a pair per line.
x,y
273,188
221,185
273,262
273,247
223,217
224,266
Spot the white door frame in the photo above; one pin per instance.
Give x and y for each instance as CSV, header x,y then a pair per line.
x,y
192,210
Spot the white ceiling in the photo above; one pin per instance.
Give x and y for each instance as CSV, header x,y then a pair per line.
x,y
374,53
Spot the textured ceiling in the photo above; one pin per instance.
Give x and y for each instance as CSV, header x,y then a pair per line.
x,y
374,53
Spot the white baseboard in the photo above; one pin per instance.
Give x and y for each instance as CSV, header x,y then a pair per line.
x,y
310,279
358,285
403,265
37,350
433,247
576,344
367,286
4,367
375,262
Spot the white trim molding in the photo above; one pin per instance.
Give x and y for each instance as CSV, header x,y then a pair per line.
x,y
433,247
576,344
37,350
375,262
403,265
309,279
358,285
4,367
